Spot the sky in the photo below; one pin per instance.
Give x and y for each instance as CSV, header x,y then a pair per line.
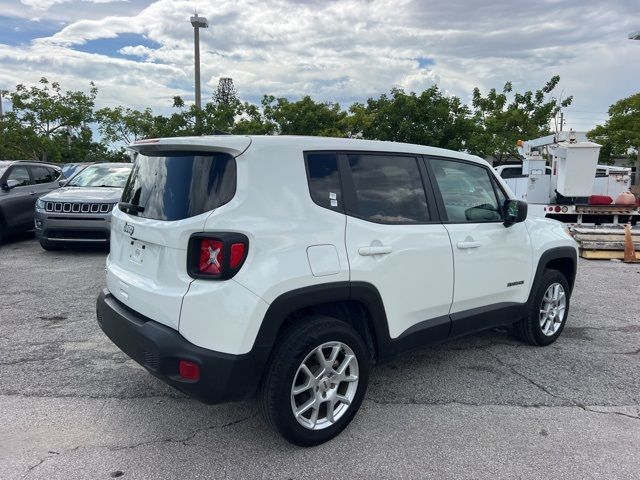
x,y
139,53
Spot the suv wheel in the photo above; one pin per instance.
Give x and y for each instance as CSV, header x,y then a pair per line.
x,y
548,310
315,382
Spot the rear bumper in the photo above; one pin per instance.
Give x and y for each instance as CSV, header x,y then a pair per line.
x,y
223,377
73,228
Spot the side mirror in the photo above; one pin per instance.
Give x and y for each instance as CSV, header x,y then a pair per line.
x,y
514,211
5,187
11,184
62,183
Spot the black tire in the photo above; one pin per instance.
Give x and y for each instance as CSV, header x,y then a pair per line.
x,y
293,347
50,247
529,329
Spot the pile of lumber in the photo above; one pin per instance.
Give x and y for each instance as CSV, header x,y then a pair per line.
x,y
606,241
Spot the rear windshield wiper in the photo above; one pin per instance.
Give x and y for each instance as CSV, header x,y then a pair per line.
x,y
131,206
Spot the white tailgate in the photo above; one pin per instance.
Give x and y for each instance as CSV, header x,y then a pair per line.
x,y
146,269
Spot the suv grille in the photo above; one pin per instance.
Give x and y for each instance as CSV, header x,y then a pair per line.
x,y
75,207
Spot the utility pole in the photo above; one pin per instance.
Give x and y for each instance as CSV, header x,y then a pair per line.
x,y
636,36
561,120
198,23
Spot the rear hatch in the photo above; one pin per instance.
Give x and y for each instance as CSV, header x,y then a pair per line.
x,y
172,190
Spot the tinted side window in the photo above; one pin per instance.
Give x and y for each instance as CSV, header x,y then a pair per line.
x,y
324,180
467,191
20,175
43,174
388,189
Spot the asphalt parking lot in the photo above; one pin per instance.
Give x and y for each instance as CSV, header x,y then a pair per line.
x,y
73,406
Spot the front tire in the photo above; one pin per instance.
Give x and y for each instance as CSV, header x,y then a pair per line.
x,y
548,311
316,381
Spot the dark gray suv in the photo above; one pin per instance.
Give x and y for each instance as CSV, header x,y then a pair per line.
x,y
80,212
21,183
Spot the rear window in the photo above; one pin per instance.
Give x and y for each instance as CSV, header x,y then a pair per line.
x,y
177,185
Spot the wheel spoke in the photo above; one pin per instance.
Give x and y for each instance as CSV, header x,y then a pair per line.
x,y
306,406
334,354
320,356
350,378
343,399
314,416
560,315
330,406
302,388
345,363
307,372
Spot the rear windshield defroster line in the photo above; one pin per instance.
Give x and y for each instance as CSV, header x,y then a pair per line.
x,y
176,185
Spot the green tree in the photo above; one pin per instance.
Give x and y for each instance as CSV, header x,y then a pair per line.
x,y
46,123
119,125
430,118
504,118
620,135
304,117
226,93
251,121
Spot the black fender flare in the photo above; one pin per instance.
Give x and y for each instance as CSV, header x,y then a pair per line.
x,y
554,254
294,300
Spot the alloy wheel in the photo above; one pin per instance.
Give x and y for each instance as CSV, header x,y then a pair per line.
x,y
552,309
324,385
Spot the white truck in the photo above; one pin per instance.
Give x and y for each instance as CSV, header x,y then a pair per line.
x,y
563,190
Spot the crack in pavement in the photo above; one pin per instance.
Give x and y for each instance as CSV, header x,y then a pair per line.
x,y
612,412
50,454
184,441
427,403
532,381
29,360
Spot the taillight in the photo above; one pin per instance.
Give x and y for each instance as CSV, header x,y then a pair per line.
x,y
211,256
237,254
216,256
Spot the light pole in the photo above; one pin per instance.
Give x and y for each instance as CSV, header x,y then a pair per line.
x,y
636,36
198,23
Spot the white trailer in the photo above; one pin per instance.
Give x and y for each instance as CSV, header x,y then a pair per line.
x,y
562,189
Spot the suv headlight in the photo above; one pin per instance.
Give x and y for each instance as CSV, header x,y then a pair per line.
x,y
40,203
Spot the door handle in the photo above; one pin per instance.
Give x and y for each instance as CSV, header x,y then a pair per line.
x,y
467,244
32,193
375,250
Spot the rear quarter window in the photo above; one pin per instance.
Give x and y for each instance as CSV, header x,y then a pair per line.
x,y
324,180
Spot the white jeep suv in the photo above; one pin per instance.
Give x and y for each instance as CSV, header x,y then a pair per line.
x,y
284,267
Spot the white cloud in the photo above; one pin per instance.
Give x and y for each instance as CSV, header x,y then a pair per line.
x,y
44,5
135,51
344,50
